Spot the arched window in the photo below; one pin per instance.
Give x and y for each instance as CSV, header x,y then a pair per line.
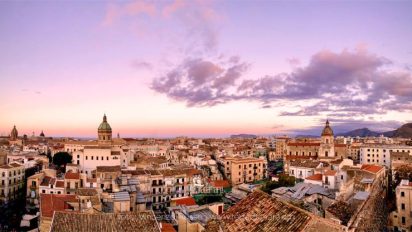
x,y
326,153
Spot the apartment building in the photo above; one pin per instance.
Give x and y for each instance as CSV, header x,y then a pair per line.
x,y
11,181
401,219
380,154
240,170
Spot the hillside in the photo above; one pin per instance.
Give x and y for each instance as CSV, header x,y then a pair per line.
x,y
405,131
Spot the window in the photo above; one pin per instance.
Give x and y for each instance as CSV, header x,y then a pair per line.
x,y
403,206
402,194
107,158
43,191
86,157
97,157
92,157
341,177
403,220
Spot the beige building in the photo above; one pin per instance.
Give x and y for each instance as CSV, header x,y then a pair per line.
x,y
11,181
401,219
240,170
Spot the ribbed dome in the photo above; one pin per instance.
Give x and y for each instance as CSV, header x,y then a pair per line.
x,y
327,131
104,126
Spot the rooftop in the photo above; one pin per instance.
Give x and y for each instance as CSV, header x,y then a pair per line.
x,y
316,177
108,169
49,203
188,201
371,168
260,212
106,222
304,163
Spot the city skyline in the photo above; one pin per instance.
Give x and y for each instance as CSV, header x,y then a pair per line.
x,y
204,69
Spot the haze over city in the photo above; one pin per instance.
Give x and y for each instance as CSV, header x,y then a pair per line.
x,y
204,68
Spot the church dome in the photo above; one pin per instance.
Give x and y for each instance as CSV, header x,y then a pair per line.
x,y
104,126
14,134
327,131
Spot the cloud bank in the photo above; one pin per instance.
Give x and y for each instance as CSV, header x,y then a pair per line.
x,y
354,82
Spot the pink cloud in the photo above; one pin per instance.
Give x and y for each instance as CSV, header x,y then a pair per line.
x,y
135,8
173,7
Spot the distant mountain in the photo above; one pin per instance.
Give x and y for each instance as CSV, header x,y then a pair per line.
x,y
362,132
243,136
306,136
405,131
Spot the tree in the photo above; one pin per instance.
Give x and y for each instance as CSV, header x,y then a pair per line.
x,y
62,158
284,181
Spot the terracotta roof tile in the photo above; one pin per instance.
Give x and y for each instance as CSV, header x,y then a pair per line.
x,y
316,177
371,168
330,173
72,176
220,183
167,227
105,222
188,201
54,202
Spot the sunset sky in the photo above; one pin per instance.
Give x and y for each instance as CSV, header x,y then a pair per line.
x,y
204,68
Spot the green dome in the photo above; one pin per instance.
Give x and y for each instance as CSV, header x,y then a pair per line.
x,y
104,126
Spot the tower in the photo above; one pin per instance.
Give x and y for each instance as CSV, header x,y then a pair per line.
x,y
14,134
327,146
104,132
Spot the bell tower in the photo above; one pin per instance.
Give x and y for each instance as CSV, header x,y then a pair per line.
x,y
327,145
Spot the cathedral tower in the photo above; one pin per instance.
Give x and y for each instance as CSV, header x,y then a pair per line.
x,y
327,146
104,132
14,134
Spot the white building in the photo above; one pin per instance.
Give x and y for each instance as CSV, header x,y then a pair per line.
x,y
104,152
380,153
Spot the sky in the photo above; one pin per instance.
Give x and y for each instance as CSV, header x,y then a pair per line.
x,y
204,68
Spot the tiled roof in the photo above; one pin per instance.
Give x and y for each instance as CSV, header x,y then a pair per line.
x,y
108,169
371,168
54,202
296,157
341,210
260,212
105,222
9,166
304,163
72,176
316,177
188,201
167,227
220,183
86,192
46,181
330,173
59,184
340,145
304,144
